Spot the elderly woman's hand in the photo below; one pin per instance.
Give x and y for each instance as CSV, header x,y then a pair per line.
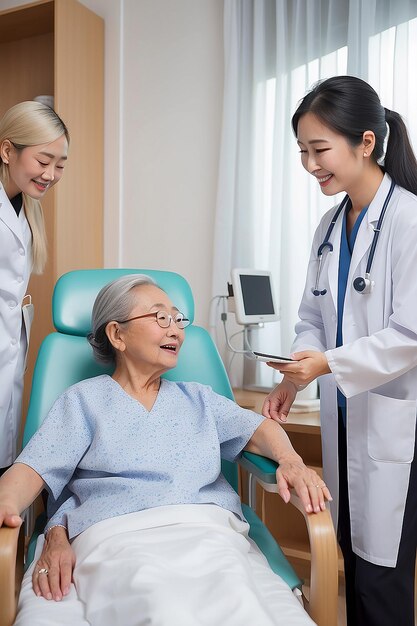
x,y
271,440
309,486
52,575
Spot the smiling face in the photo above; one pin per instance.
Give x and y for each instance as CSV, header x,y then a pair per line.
x,y
142,342
327,155
34,169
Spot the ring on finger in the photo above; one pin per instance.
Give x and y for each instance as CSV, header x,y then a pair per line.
x,y
43,570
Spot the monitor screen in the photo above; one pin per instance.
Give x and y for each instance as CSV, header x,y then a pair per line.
x,y
254,298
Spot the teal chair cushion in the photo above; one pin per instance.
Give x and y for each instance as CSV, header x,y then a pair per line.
x,y
75,293
264,469
65,358
269,547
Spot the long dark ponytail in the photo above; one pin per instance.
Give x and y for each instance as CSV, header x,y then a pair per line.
x,y
350,106
400,161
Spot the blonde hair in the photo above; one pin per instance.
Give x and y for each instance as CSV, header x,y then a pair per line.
x,y
26,124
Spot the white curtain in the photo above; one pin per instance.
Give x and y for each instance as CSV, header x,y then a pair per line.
x,y
267,205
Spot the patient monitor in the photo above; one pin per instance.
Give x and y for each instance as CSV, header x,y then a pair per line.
x,y
254,296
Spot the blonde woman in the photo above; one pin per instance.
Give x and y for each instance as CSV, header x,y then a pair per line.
x,y
33,151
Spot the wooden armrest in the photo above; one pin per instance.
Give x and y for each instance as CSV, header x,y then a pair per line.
x,y
11,572
324,577
322,606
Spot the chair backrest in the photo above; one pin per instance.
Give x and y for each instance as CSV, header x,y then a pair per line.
x,y
65,357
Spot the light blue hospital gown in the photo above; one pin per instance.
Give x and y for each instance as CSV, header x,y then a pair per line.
x,y
103,453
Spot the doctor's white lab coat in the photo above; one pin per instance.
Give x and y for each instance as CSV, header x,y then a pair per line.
x,y
15,266
376,369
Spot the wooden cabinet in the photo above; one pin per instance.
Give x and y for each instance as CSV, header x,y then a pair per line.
x,y
56,47
286,523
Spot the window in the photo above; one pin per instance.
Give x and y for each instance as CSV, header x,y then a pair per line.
x,y
268,206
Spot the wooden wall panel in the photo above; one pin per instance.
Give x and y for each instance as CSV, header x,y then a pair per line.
x,y
79,84
31,63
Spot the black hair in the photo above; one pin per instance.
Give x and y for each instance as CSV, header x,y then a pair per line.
x,y
350,106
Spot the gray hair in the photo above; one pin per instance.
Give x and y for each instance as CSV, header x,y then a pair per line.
x,y
113,302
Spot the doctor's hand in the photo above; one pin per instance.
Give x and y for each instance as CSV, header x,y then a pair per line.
x,y
278,403
52,575
308,366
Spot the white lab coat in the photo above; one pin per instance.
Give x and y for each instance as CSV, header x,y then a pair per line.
x,y
376,369
15,266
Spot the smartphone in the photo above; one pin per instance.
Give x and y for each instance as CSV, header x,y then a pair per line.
x,y
261,356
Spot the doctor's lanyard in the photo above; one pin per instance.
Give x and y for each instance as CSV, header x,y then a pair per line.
x,y
360,284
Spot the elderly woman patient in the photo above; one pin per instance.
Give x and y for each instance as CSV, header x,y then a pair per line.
x,y
157,534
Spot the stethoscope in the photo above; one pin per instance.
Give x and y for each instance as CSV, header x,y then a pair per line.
x,y
360,284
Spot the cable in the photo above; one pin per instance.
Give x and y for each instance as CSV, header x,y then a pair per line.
x,y
247,349
229,345
239,332
212,327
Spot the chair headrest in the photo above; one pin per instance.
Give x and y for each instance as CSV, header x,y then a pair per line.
x,y
76,291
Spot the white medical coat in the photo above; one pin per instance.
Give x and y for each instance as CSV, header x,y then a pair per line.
x,y
15,266
376,369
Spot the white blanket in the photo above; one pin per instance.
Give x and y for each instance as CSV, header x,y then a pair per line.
x,y
186,565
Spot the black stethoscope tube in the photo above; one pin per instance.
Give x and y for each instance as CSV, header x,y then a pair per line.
x,y
360,284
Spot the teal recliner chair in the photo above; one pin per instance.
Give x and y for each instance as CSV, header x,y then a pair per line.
x,y
65,357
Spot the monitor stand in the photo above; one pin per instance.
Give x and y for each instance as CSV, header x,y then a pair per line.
x,y
251,370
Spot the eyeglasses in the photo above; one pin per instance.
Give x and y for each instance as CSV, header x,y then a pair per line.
x,y
163,318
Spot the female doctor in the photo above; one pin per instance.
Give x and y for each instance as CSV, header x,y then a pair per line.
x,y
33,151
358,332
